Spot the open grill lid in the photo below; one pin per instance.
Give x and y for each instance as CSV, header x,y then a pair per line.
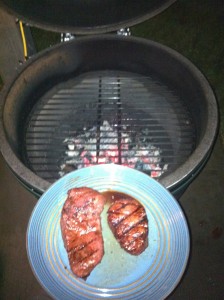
x,y
85,16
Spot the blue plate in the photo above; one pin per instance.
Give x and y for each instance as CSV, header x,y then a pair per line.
x,y
152,275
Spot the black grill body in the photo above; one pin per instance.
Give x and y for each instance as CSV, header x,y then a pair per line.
x,y
140,88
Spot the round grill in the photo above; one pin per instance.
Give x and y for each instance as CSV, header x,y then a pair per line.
x,y
108,117
71,107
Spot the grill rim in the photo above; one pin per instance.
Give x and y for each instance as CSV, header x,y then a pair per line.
x,y
184,172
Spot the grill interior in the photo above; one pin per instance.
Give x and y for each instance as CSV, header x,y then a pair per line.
x,y
108,116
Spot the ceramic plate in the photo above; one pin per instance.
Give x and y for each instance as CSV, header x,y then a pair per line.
x,y
152,275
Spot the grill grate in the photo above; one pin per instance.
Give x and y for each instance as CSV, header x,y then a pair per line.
x,y
137,119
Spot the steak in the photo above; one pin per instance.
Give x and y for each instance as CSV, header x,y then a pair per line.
x,y
128,221
81,229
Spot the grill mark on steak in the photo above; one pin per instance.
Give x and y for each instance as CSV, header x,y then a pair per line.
x,y
119,210
82,246
81,229
131,221
124,218
128,221
83,253
136,240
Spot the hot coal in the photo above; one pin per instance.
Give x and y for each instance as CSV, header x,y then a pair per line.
x,y
109,144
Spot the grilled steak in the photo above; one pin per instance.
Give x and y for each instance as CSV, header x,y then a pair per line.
x,y
81,229
128,221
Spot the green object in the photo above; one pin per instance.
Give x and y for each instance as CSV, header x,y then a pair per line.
x,y
195,29
1,83
44,39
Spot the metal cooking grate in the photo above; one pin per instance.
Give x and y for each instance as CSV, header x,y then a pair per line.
x,y
110,116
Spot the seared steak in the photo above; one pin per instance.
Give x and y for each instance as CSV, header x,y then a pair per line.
x,y
81,229
128,221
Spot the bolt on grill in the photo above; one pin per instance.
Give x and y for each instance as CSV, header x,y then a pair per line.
x,y
108,117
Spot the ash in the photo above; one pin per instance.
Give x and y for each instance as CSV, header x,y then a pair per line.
x,y
104,145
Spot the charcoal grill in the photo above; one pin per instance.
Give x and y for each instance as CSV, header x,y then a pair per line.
x,y
137,92
108,117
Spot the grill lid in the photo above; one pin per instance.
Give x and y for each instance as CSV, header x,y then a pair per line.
x,y
85,17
